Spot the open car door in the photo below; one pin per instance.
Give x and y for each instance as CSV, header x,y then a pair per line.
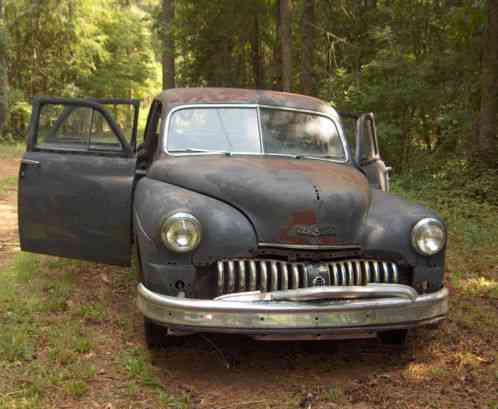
x,y
362,136
75,183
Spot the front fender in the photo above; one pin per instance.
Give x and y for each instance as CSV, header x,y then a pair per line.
x,y
388,231
224,231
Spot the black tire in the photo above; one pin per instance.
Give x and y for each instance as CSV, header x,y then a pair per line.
x,y
395,337
155,335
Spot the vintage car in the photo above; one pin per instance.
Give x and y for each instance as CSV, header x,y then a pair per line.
x,y
250,213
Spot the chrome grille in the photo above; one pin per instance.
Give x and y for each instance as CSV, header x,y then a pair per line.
x,y
237,275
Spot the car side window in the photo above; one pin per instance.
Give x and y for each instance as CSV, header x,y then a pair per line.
x,y
73,127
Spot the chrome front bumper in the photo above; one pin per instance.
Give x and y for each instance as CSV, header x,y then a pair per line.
x,y
352,309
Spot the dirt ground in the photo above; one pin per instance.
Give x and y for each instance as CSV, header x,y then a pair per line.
x,y
9,239
454,366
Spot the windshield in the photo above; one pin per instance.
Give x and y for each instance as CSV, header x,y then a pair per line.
x,y
236,130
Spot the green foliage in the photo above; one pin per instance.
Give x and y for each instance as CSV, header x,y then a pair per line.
x,y
138,367
416,64
83,48
217,36
466,197
76,388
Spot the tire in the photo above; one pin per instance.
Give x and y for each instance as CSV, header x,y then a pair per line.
x,y
395,337
155,335
136,261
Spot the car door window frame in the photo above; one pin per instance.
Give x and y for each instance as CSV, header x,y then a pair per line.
x,y
135,103
39,102
366,140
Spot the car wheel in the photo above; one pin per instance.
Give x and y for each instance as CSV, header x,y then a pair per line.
x,y
156,336
394,337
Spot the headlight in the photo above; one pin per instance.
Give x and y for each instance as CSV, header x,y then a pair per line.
x,y
181,232
428,237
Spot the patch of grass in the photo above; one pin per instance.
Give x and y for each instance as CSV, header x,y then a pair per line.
x,y
7,402
124,323
94,312
493,404
174,402
58,294
58,263
132,389
82,344
16,344
480,317
471,222
11,150
335,393
49,349
138,367
7,183
76,389
469,359
479,287
439,372
25,265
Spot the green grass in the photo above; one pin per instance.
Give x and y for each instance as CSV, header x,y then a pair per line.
x,y
11,150
471,219
7,183
138,367
51,343
335,393
76,389
174,402
94,312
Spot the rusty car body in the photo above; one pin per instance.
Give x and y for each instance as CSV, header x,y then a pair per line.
x,y
249,210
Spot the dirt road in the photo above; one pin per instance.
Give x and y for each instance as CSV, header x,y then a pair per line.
x,y
9,239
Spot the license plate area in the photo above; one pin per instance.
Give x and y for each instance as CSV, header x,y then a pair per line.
x,y
318,275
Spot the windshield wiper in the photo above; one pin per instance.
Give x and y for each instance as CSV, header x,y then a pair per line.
x,y
227,153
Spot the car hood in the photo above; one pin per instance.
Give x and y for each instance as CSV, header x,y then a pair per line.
x,y
288,201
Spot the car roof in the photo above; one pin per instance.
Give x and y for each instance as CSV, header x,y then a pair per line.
x,y
174,97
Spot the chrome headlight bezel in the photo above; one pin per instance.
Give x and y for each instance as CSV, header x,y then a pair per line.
x,y
188,220
421,227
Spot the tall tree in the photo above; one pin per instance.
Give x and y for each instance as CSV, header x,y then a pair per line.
x,y
168,14
307,27
277,51
4,88
257,63
489,80
285,43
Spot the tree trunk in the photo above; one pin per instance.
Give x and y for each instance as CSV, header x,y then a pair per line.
x,y
487,140
285,44
168,14
4,86
308,47
277,54
257,65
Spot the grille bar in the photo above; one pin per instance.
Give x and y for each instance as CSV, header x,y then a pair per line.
x,y
237,275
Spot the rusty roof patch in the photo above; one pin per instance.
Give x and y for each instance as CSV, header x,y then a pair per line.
x,y
187,96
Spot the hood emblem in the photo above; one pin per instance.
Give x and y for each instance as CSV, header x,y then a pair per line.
x,y
312,230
